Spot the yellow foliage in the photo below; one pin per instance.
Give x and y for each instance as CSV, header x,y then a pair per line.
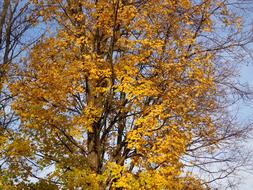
x,y
115,98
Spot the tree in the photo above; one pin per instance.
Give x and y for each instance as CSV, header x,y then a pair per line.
x,y
15,22
127,95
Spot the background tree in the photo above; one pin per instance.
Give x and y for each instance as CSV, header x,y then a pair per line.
x,y
127,92
15,21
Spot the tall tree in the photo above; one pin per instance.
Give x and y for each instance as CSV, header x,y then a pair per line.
x,y
127,95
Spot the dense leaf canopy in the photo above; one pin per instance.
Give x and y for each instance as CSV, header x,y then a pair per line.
x,y
125,94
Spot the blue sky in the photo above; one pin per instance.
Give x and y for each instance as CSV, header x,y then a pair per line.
x,y
245,114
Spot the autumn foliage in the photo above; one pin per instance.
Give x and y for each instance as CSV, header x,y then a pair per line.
x,y
121,95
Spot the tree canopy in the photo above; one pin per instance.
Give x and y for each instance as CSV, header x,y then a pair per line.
x,y
124,94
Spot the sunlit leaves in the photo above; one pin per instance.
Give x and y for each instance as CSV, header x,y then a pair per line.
x,y
118,95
